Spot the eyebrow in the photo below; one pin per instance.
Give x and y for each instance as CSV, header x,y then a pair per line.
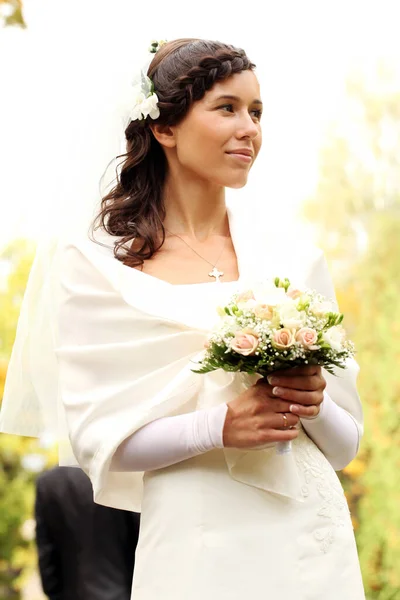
x,y
236,98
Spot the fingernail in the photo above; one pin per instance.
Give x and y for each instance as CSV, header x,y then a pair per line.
x,y
271,380
276,391
294,408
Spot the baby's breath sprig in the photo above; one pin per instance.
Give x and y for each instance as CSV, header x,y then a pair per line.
x,y
261,331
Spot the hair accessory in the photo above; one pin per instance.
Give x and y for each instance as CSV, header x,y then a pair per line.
x,y
145,100
156,45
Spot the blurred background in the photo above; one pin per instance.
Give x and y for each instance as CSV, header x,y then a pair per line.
x,y
330,168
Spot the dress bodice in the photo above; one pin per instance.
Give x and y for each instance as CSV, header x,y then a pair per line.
x,y
194,303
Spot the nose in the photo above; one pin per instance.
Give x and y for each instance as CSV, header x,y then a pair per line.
x,y
247,128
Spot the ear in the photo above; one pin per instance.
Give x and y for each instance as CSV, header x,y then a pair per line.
x,y
164,134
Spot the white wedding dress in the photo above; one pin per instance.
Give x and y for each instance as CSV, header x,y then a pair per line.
x,y
205,535
116,351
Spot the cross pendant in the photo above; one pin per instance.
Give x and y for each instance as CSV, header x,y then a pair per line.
x,y
215,273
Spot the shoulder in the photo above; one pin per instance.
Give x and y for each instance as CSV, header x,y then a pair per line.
x,y
83,261
293,253
48,479
60,481
78,245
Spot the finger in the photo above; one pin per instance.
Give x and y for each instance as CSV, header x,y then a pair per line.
x,y
305,412
261,382
305,382
283,420
270,403
305,370
298,396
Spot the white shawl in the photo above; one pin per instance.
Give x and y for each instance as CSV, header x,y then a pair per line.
x,y
124,359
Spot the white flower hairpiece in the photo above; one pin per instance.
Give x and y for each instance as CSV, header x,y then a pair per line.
x,y
145,100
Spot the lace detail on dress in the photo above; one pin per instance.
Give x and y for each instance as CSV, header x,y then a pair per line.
x,y
319,479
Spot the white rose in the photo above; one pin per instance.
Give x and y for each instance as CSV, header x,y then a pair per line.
x,y
270,295
290,317
334,336
247,304
321,308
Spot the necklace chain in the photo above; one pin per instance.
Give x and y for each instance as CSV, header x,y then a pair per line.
x,y
214,273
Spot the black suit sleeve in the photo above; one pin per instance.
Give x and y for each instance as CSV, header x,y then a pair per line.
x,y
134,528
48,555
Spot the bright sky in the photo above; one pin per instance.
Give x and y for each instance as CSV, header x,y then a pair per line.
x,y
59,72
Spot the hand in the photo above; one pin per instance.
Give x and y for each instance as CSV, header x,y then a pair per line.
x,y
257,417
303,387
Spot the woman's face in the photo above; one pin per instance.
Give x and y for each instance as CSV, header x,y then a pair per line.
x,y
220,137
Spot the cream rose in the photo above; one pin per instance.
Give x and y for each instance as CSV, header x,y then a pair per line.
x,y
245,342
263,311
283,338
307,338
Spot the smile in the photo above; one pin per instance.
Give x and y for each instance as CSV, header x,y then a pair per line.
x,y
242,157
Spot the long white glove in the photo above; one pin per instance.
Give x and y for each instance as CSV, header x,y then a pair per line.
x,y
335,432
170,440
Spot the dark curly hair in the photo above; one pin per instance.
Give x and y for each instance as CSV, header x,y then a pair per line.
x,y
182,71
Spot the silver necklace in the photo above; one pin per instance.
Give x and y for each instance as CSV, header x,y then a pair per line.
x,y
214,272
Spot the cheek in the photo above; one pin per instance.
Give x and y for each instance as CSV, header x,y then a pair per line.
x,y
201,146
196,137
257,143
212,134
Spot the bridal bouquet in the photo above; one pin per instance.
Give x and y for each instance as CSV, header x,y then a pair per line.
x,y
276,326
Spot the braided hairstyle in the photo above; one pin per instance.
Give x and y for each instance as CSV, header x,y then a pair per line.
x,y
182,72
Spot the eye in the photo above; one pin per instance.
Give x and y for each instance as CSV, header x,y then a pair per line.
x,y
226,107
257,113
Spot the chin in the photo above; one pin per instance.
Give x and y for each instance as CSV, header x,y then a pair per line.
x,y
234,181
237,183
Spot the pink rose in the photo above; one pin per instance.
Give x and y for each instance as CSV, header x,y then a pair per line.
x,y
307,338
283,338
263,311
245,342
294,293
244,296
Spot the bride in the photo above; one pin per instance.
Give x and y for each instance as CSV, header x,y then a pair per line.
x,y
223,515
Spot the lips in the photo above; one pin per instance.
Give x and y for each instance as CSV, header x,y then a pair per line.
x,y
242,151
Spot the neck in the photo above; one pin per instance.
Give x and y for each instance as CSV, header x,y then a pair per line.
x,y
195,209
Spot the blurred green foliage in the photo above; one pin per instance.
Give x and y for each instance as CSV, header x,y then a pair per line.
x,y
356,210
12,9
17,553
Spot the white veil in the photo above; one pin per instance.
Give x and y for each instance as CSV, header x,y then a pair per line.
x,y
85,109
82,94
